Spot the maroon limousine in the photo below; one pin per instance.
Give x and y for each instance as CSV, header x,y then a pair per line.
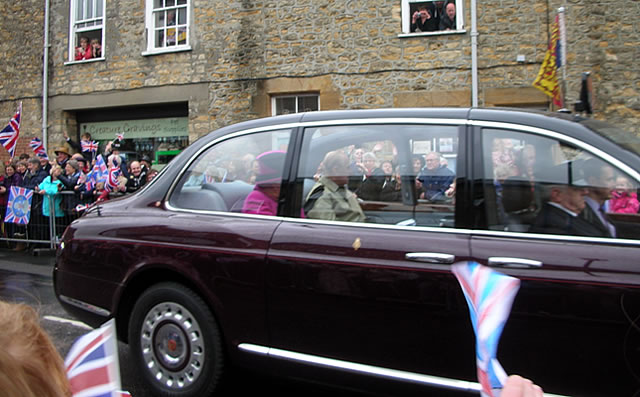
x,y
319,246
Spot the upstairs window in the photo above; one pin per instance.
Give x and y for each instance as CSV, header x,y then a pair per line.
x,y
286,104
167,25
428,17
87,30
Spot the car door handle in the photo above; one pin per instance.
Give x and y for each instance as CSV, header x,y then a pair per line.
x,y
430,257
503,261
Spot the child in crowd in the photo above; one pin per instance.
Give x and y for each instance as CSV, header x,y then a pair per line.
x,y
100,192
624,199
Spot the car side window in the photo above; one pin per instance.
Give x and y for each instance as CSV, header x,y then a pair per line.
x,y
242,174
543,185
385,174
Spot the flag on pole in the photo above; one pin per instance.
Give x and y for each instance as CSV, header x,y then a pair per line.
x,y
38,148
120,136
547,80
19,205
489,295
92,363
9,135
89,146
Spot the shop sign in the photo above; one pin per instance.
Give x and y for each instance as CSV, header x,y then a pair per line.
x,y
132,129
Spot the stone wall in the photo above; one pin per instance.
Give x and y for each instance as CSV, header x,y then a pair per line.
x,y
350,52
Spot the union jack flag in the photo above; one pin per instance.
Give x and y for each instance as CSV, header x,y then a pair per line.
x,y
9,135
92,363
120,136
489,295
38,148
112,179
89,146
97,173
19,205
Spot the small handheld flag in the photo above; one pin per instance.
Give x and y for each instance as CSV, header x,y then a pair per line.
x,y
38,148
9,135
92,363
89,146
489,295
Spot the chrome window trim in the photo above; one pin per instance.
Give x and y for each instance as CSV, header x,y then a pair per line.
x,y
365,369
85,306
426,121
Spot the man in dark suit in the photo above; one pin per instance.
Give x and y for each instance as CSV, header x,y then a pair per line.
x,y
560,215
601,180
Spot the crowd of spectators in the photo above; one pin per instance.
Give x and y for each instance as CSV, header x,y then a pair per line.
x,y
62,183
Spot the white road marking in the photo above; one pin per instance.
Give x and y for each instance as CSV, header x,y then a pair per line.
x,y
75,323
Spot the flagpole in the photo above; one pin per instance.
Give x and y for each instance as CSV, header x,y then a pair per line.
x,y
563,53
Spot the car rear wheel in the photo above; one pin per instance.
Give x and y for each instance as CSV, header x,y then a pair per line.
x,y
175,341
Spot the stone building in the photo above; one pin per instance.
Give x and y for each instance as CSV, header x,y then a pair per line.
x,y
173,70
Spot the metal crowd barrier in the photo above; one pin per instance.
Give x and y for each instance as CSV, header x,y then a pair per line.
x,y
42,232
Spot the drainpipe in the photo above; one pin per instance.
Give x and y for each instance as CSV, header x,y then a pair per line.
x,y
474,55
45,75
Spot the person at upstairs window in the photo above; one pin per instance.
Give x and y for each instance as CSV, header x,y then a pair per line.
x,y
423,20
329,198
624,199
96,48
83,51
435,178
448,20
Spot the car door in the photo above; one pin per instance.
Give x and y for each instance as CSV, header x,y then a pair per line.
x,y
378,292
577,311
223,214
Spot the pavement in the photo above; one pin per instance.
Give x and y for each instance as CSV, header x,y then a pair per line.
x,y
27,262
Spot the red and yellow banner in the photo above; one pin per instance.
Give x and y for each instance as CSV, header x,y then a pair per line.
x,y
547,80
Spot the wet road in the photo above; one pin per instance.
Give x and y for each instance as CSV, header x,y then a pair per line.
x,y
27,279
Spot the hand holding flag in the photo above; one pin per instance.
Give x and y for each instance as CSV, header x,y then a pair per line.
x,y
489,295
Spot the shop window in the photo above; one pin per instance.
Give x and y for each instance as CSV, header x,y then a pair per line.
x,y
86,37
167,25
285,104
432,17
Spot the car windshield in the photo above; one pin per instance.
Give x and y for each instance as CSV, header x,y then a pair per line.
x,y
621,137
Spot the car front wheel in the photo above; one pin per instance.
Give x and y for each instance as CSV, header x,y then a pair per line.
x,y
175,341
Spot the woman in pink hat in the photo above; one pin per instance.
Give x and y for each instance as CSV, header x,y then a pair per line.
x,y
263,200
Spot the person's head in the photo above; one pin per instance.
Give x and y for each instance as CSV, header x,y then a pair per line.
x,y
21,167
269,175
9,169
43,161
84,42
85,136
136,168
451,10
601,179
145,160
56,171
418,163
370,161
387,167
623,184
100,186
33,165
336,167
71,167
24,156
62,155
30,365
423,12
115,148
432,160
569,196
358,153
95,43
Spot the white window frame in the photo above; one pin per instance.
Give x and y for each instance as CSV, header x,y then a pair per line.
x,y
151,29
97,21
406,20
274,111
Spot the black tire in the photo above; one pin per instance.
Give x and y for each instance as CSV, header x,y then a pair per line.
x,y
171,363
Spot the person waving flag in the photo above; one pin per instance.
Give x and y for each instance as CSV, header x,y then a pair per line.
x,y
9,135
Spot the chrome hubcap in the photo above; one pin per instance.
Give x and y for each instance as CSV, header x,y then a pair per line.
x,y
172,345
